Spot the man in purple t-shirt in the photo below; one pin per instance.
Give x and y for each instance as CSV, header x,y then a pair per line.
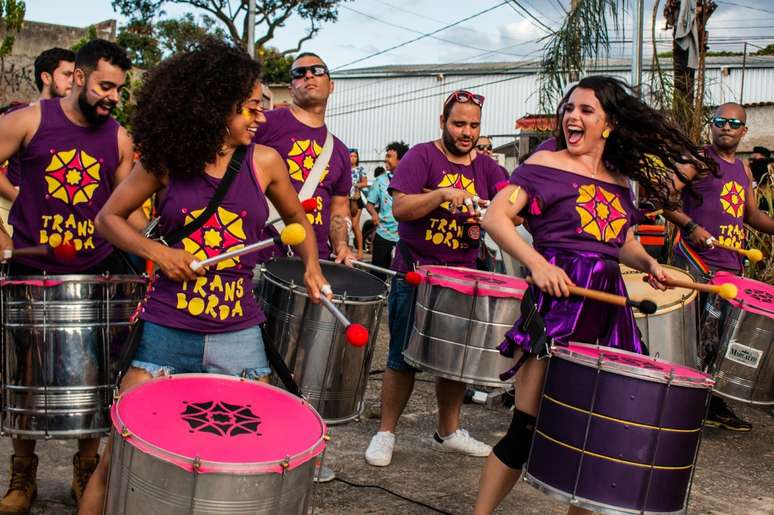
x,y
298,134
727,203
434,188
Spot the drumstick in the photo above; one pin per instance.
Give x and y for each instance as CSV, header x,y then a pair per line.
x,y
654,214
725,290
753,255
645,306
356,334
309,206
64,252
293,234
413,278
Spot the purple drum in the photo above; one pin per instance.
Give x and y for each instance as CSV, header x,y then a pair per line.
x,y
617,431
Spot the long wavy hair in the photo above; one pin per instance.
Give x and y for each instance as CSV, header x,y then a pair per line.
x,y
643,145
184,105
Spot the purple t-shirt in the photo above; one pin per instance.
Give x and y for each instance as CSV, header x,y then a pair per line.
x,y
572,212
299,145
438,238
720,211
222,299
67,175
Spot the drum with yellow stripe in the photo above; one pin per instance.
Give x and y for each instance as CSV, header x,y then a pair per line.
x,y
617,431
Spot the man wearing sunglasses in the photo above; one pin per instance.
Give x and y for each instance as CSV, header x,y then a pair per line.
x,y
436,194
725,205
298,134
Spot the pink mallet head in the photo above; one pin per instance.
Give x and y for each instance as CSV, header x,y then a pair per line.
x,y
309,205
357,335
413,278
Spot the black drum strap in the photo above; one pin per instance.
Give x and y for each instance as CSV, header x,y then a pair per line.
x,y
532,323
280,367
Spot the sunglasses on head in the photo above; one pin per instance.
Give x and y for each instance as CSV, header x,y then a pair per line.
x,y
463,96
721,122
483,147
318,70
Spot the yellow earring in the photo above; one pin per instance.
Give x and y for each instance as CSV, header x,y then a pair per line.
x,y
246,114
606,133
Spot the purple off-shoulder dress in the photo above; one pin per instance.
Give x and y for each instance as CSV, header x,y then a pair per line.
x,y
578,224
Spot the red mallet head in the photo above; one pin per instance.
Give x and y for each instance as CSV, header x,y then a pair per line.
x,y
309,205
65,252
357,335
413,278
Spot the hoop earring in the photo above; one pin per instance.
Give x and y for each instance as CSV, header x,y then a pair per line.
x,y
606,133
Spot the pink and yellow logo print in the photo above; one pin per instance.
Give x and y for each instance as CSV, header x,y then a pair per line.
x,y
224,231
457,181
72,176
301,159
601,213
732,199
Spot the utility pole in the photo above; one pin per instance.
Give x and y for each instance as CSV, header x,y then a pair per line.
x,y
573,74
251,28
637,36
744,67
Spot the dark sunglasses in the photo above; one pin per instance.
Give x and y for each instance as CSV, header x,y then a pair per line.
x,y
318,70
720,122
463,96
483,147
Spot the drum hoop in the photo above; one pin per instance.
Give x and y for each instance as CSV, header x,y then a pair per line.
x,y
300,290
663,309
207,466
471,283
56,280
565,352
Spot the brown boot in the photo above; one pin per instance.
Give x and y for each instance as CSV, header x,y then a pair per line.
x,y
23,488
83,468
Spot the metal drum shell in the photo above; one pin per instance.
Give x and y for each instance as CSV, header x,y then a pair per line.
x,y
670,333
742,382
455,336
331,373
61,335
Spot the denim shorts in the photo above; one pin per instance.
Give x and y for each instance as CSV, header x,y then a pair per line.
x,y
400,319
166,350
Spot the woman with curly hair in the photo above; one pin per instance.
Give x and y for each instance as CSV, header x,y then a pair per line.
x,y
193,113
580,211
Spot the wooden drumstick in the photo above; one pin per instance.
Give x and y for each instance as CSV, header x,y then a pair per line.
x,y
64,252
644,306
654,214
725,290
293,234
356,334
753,255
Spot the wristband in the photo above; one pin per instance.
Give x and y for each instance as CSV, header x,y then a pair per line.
x,y
689,228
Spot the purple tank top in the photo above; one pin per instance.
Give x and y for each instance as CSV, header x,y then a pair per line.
x,y
67,173
720,211
222,300
13,170
571,212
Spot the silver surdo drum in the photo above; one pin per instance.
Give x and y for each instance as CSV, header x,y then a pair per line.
x,y
61,336
331,373
670,333
460,317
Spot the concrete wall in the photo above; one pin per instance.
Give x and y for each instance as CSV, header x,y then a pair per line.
x,y
17,80
760,129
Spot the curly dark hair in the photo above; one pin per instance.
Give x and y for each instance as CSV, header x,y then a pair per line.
x,y
399,147
184,104
644,145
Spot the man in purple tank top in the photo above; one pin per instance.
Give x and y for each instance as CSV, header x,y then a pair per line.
x,y
434,190
72,154
298,134
54,79
725,203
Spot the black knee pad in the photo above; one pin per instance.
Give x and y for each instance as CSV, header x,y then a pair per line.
x,y
513,448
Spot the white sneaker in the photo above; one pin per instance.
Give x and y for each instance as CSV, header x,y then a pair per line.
x,y
379,452
460,441
323,474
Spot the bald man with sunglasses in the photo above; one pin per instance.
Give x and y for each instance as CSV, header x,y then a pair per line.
x,y
725,205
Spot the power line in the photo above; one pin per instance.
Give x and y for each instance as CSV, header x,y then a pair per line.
x,y
514,3
423,36
760,9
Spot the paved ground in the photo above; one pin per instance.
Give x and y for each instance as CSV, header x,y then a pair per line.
x,y
735,471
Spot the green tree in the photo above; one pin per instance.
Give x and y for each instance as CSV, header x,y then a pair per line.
x,y
180,35
271,15
276,65
12,17
91,33
769,50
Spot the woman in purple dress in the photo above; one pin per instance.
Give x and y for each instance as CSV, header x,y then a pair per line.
x,y
579,208
194,112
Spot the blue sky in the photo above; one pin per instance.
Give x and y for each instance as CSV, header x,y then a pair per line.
x,y
502,34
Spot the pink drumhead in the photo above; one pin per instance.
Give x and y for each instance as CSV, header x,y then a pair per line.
x,y
218,423
753,296
466,280
631,364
